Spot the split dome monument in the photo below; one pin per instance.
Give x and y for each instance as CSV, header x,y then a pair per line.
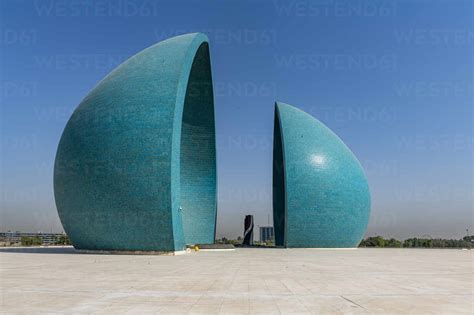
x,y
135,168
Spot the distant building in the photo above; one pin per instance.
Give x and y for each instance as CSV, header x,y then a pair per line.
x,y
266,233
248,230
15,237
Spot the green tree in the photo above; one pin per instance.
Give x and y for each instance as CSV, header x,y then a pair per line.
x,y
26,241
374,241
63,240
393,243
31,240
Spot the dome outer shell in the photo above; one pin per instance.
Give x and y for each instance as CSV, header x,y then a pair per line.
x,y
321,197
117,169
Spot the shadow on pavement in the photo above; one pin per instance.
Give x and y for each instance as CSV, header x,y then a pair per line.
x,y
40,250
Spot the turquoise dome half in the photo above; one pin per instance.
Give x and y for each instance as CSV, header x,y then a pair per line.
x,y
135,168
321,196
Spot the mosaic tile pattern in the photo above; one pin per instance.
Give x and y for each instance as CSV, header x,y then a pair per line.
x,y
136,165
320,193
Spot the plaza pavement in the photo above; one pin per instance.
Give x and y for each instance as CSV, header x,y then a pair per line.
x,y
244,281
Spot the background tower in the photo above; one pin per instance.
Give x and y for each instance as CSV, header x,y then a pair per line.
x,y
248,230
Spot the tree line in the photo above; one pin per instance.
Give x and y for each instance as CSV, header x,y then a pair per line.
x,y
378,241
373,241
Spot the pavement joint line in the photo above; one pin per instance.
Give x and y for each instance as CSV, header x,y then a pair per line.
x,y
352,302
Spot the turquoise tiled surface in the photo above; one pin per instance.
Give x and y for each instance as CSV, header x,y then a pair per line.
x,y
136,165
320,193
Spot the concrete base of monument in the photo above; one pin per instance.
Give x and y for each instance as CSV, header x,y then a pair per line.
x,y
133,252
216,247
329,248
302,248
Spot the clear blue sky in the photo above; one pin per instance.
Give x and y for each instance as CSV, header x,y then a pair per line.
x,y
394,79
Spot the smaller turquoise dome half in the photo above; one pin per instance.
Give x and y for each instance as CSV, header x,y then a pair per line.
x,y
321,196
